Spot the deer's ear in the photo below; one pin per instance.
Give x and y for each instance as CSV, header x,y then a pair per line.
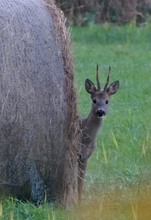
x,y
113,88
89,86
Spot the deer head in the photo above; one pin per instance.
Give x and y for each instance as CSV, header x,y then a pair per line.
x,y
101,97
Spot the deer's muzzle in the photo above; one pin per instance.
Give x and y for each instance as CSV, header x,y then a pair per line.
x,y
100,113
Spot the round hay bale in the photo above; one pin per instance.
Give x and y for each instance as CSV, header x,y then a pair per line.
x,y
38,107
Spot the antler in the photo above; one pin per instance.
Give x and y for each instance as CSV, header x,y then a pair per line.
x,y
107,80
97,78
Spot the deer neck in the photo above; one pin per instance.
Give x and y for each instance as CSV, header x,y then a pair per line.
x,y
92,125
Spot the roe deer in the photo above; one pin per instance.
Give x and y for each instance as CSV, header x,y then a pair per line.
x,y
91,125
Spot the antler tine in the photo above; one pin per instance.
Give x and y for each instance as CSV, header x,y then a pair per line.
x,y
108,78
97,78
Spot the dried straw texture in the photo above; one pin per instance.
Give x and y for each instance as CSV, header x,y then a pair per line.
x,y
38,103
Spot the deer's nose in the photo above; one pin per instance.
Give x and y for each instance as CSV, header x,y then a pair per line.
x,y
100,113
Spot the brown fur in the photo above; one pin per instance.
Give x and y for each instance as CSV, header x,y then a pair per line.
x,y
90,126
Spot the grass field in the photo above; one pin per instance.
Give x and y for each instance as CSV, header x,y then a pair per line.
x,y
118,180
120,167
124,143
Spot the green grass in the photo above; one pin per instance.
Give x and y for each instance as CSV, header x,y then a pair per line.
x,y
11,209
119,171
124,143
123,157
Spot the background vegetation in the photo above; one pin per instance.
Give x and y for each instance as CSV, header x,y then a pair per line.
x,y
82,12
118,183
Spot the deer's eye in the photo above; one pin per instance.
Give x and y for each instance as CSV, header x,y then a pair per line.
x,y
107,101
94,101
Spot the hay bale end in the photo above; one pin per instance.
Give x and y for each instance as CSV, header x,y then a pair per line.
x,y
38,106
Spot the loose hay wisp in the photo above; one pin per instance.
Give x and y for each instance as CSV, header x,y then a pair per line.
x,y
38,110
